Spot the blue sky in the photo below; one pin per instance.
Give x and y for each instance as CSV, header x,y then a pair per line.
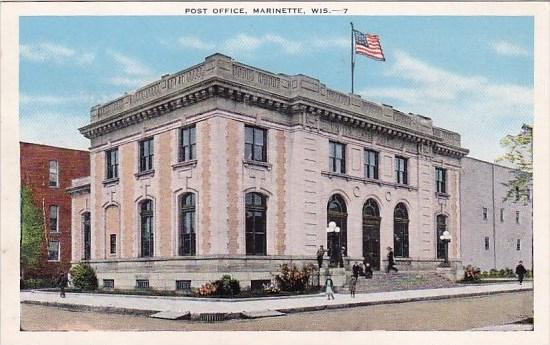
x,y
473,75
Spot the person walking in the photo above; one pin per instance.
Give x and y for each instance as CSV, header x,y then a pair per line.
x,y
368,271
391,262
320,254
352,285
520,271
329,288
62,282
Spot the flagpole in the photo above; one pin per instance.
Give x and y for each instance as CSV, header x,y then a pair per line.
x,y
352,58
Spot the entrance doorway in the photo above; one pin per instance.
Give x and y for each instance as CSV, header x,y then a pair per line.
x,y
371,233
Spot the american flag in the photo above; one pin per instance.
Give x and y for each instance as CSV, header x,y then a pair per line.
x,y
368,45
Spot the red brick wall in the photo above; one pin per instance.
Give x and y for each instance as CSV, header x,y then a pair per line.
x,y
35,174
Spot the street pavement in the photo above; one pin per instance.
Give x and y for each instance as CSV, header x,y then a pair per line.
x,y
197,306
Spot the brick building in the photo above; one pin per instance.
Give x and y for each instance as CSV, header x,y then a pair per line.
x,y
497,232
226,168
48,171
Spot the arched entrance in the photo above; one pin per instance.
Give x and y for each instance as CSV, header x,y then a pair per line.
x,y
401,231
371,233
337,212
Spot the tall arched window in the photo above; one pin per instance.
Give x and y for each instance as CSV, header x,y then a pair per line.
x,y
441,227
256,211
371,233
187,225
147,239
401,231
87,236
337,212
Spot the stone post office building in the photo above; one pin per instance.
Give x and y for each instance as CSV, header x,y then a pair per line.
x,y
226,168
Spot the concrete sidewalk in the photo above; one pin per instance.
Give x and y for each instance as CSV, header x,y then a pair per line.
x,y
235,308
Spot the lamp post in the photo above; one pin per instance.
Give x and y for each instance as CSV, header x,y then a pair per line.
x,y
446,238
332,232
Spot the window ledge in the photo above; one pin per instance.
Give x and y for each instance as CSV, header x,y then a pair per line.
x,y
110,181
144,174
265,165
189,163
442,195
367,180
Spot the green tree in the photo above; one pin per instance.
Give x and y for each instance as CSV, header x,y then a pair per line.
x,y
32,227
520,156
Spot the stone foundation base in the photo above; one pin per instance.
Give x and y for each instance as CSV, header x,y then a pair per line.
x,y
162,273
193,272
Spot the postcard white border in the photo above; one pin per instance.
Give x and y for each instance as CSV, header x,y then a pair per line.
x,y
9,183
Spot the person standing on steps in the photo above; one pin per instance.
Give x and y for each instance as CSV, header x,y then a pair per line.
x,y
520,271
320,254
329,288
391,262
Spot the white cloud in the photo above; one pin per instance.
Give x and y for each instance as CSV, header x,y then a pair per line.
x,y
52,52
481,110
507,48
244,44
54,128
134,73
26,99
192,42
331,42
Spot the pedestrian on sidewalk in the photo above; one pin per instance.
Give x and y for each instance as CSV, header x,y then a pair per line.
x,y
520,271
352,286
391,262
320,254
329,288
62,282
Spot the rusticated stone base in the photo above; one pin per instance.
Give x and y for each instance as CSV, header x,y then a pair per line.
x,y
162,273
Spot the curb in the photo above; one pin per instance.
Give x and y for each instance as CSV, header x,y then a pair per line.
x,y
223,316
81,307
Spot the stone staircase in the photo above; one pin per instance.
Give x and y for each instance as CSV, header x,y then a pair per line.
x,y
403,280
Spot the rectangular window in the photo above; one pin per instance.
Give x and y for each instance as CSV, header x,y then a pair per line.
x,y
484,213
486,243
54,218
518,244
401,170
187,148
113,243
53,251
337,157
441,180
517,217
371,164
502,215
146,154
108,283
255,144
142,283
54,174
112,163
183,285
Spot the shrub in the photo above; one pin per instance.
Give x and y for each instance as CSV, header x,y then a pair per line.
x,y
207,289
271,288
293,279
37,283
226,286
84,277
472,273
